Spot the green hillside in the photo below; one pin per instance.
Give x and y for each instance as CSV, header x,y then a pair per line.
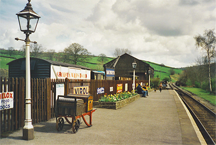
x,y
161,71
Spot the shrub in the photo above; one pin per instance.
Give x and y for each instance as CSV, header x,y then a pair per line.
x,y
155,82
205,85
197,84
189,83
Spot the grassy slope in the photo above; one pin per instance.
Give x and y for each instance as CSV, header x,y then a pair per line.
x,y
93,63
203,94
174,77
4,61
164,71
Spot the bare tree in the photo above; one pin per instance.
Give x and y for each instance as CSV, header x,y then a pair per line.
x,y
207,42
36,50
75,53
51,53
201,70
121,51
102,58
10,50
22,50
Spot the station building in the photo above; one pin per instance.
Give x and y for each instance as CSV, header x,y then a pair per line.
x,y
121,68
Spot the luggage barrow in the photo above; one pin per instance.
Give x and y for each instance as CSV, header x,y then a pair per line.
x,y
75,107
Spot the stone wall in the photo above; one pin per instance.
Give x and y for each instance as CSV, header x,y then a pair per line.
x,y
116,105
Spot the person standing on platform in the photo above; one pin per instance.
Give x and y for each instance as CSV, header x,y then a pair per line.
x,y
160,87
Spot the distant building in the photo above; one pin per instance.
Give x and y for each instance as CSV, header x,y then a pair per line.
x,y
120,68
41,68
97,75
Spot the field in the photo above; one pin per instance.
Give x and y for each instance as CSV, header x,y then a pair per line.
x,y
161,71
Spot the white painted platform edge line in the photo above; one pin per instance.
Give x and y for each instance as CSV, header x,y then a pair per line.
x,y
198,133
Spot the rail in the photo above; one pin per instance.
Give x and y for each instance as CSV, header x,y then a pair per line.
x,y
203,116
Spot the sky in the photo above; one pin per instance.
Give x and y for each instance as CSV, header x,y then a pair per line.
x,y
160,31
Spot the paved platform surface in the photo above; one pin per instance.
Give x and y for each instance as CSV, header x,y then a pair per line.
x,y
158,119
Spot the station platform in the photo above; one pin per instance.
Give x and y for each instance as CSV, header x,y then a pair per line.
x,y
160,118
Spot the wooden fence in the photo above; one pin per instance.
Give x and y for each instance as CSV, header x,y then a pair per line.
x,y
43,98
13,119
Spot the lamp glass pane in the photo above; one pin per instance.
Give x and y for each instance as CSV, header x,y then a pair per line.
x,y
23,23
32,24
134,65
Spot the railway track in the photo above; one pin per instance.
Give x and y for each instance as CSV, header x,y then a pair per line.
x,y
203,116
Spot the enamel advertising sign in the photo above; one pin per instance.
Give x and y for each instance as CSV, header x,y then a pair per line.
x,y
119,88
61,72
6,100
81,90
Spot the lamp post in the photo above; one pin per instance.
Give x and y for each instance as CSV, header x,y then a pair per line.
x,y
149,72
28,21
134,67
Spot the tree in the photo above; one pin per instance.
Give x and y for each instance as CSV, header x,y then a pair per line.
x,y
75,53
102,58
166,79
22,50
201,70
121,51
3,72
51,53
36,50
155,82
182,78
10,50
207,42
172,71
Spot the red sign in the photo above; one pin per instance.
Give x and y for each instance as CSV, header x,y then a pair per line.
x,y
119,88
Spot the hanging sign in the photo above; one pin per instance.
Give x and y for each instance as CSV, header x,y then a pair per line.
x,y
6,100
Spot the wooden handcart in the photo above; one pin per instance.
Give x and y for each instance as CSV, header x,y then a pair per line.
x,y
75,107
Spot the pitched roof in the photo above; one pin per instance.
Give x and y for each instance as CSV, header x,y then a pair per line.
x,y
112,63
54,63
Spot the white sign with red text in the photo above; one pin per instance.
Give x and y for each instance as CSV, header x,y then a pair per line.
x,y
6,100
61,72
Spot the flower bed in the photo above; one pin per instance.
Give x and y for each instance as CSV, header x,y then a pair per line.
x,y
116,101
116,97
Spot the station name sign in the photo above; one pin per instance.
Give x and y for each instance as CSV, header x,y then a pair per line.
x,y
110,72
6,100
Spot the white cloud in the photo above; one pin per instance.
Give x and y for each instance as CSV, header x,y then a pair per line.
x,y
157,31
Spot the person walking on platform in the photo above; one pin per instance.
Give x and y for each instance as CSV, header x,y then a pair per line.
x,y
160,87
141,91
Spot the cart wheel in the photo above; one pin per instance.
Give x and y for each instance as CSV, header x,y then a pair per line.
x,y
75,126
59,124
